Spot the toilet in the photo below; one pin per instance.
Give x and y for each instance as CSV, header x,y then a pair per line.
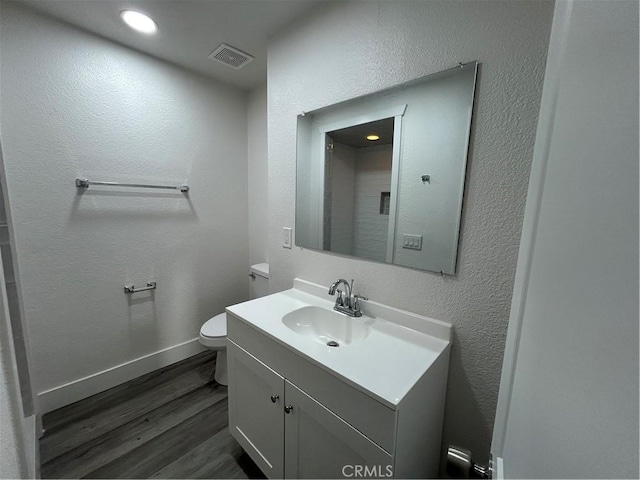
x,y
213,333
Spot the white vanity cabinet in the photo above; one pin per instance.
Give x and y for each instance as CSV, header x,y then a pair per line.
x,y
256,400
288,433
298,418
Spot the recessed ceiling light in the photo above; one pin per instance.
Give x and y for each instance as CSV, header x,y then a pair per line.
x,y
373,138
139,21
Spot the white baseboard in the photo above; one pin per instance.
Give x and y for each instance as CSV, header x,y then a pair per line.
x,y
98,382
498,468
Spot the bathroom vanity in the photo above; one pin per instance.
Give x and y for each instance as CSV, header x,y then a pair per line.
x,y
303,407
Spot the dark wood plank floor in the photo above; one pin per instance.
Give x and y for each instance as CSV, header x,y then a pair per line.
x,y
171,423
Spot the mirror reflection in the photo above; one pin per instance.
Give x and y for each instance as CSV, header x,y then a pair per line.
x,y
381,177
357,192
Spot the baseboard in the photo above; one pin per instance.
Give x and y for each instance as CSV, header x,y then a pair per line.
x,y
498,468
98,382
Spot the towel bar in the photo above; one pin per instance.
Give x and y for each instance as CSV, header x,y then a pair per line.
x,y
84,183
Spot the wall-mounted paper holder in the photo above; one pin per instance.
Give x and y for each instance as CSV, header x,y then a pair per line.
x,y
133,289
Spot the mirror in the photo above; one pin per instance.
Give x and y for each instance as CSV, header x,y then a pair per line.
x,y
381,177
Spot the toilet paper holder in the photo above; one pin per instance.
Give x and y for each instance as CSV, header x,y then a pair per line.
x,y
461,465
133,289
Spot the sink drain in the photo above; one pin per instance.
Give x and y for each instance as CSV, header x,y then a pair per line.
x,y
333,344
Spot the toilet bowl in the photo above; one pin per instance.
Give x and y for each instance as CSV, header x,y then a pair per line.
x,y
213,333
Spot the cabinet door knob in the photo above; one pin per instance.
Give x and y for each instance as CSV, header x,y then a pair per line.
x,y
288,409
274,398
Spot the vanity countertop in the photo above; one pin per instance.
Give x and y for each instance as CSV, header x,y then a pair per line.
x,y
399,349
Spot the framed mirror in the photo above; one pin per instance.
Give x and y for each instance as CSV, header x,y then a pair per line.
x,y
381,177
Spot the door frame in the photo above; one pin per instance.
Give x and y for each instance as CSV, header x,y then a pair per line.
x,y
544,133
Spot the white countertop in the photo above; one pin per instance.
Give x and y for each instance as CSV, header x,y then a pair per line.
x,y
385,365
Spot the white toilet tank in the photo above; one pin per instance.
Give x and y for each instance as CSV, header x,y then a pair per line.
x,y
259,281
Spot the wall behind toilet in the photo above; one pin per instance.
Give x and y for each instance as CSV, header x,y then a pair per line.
x,y
76,105
348,49
257,175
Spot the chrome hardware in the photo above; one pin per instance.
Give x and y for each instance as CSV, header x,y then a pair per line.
x,y
274,398
288,408
84,183
339,300
132,289
460,465
252,275
334,285
356,302
349,304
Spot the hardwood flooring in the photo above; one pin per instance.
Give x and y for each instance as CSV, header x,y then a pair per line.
x,y
170,423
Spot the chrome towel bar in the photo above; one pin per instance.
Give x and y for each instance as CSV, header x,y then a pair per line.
x,y
132,289
84,183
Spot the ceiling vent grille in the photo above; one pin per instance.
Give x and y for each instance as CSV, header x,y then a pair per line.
x,y
230,56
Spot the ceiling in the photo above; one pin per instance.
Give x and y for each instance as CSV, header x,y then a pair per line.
x,y
356,136
189,30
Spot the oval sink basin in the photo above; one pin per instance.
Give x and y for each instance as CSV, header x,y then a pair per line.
x,y
326,326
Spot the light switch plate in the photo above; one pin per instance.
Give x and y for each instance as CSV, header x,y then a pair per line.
x,y
286,237
412,242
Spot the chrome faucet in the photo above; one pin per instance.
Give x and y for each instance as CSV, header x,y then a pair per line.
x,y
340,301
350,304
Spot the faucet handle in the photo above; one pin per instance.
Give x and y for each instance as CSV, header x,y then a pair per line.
x,y
356,302
339,300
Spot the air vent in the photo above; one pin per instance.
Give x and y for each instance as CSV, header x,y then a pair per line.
x,y
230,56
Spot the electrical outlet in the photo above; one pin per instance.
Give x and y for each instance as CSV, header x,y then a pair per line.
x,y
412,242
286,237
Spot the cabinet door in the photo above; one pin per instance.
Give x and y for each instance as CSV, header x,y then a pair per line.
x,y
256,418
319,444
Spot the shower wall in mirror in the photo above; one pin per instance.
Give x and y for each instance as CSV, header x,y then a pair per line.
x,y
381,177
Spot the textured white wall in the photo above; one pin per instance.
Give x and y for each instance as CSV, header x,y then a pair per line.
x,y
373,176
374,45
257,175
76,105
574,403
